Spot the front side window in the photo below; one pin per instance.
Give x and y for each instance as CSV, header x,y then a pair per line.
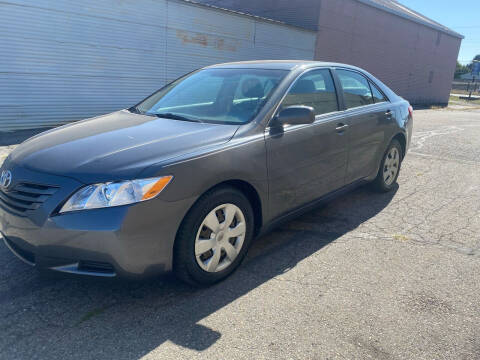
x,y
356,90
227,96
315,89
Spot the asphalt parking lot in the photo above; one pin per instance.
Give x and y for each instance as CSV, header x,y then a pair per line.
x,y
380,276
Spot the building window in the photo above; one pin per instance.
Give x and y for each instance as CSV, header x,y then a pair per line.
x,y
430,77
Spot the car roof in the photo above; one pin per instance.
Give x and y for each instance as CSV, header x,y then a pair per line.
x,y
276,64
300,65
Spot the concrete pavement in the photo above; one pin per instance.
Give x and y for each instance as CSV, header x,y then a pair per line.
x,y
368,276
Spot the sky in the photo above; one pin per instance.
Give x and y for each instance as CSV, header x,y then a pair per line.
x,y
460,16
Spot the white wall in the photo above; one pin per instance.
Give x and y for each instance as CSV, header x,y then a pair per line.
x,y
63,61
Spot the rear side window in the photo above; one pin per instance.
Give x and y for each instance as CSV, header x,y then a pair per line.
x,y
315,89
378,97
356,90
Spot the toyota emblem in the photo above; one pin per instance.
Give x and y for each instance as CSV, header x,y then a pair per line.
x,y
6,178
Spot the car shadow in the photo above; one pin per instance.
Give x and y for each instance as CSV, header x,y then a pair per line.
x,y
50,316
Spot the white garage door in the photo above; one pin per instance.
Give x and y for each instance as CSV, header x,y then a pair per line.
x,y
63,61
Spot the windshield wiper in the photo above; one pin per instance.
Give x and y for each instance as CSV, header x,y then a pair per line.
x,y
175,117
134,110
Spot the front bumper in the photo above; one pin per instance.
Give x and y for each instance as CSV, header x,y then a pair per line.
x,y
129,241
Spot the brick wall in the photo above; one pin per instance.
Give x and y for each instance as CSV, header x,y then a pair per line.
x,y
416,61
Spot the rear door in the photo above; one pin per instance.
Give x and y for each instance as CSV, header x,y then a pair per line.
x,y
367,113
307,161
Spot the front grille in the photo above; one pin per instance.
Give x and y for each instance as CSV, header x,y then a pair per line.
x,y
25,197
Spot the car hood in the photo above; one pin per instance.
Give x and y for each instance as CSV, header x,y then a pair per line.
x,y
116,146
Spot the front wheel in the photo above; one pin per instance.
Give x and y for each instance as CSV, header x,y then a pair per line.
x,y
389,168
214,237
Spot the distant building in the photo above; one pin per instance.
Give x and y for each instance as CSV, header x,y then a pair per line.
x,y
411,53
68,60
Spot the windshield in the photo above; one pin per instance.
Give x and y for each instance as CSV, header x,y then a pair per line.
x,y
227,96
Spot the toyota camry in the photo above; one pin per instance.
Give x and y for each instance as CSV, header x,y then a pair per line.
x,y
187,178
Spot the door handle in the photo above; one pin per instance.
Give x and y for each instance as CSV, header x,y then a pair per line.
x,y
341,128
389,113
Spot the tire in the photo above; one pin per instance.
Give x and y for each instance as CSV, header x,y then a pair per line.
x,y
194,256
387,183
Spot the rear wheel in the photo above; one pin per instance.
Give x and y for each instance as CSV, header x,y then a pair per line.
x,y
214,237
389,168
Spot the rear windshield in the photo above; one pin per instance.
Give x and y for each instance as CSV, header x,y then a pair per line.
x,y
228,96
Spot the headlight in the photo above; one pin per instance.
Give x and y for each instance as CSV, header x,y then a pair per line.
x,y
115,193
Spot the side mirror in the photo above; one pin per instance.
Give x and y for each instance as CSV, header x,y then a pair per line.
x,y
295,115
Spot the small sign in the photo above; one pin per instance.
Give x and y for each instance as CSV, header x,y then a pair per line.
x,y
476,68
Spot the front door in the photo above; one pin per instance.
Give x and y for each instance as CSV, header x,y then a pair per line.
x,y
307,161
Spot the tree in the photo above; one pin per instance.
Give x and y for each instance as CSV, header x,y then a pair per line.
x,y
477,57
460,70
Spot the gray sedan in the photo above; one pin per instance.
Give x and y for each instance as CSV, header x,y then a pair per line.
x,y
187,178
